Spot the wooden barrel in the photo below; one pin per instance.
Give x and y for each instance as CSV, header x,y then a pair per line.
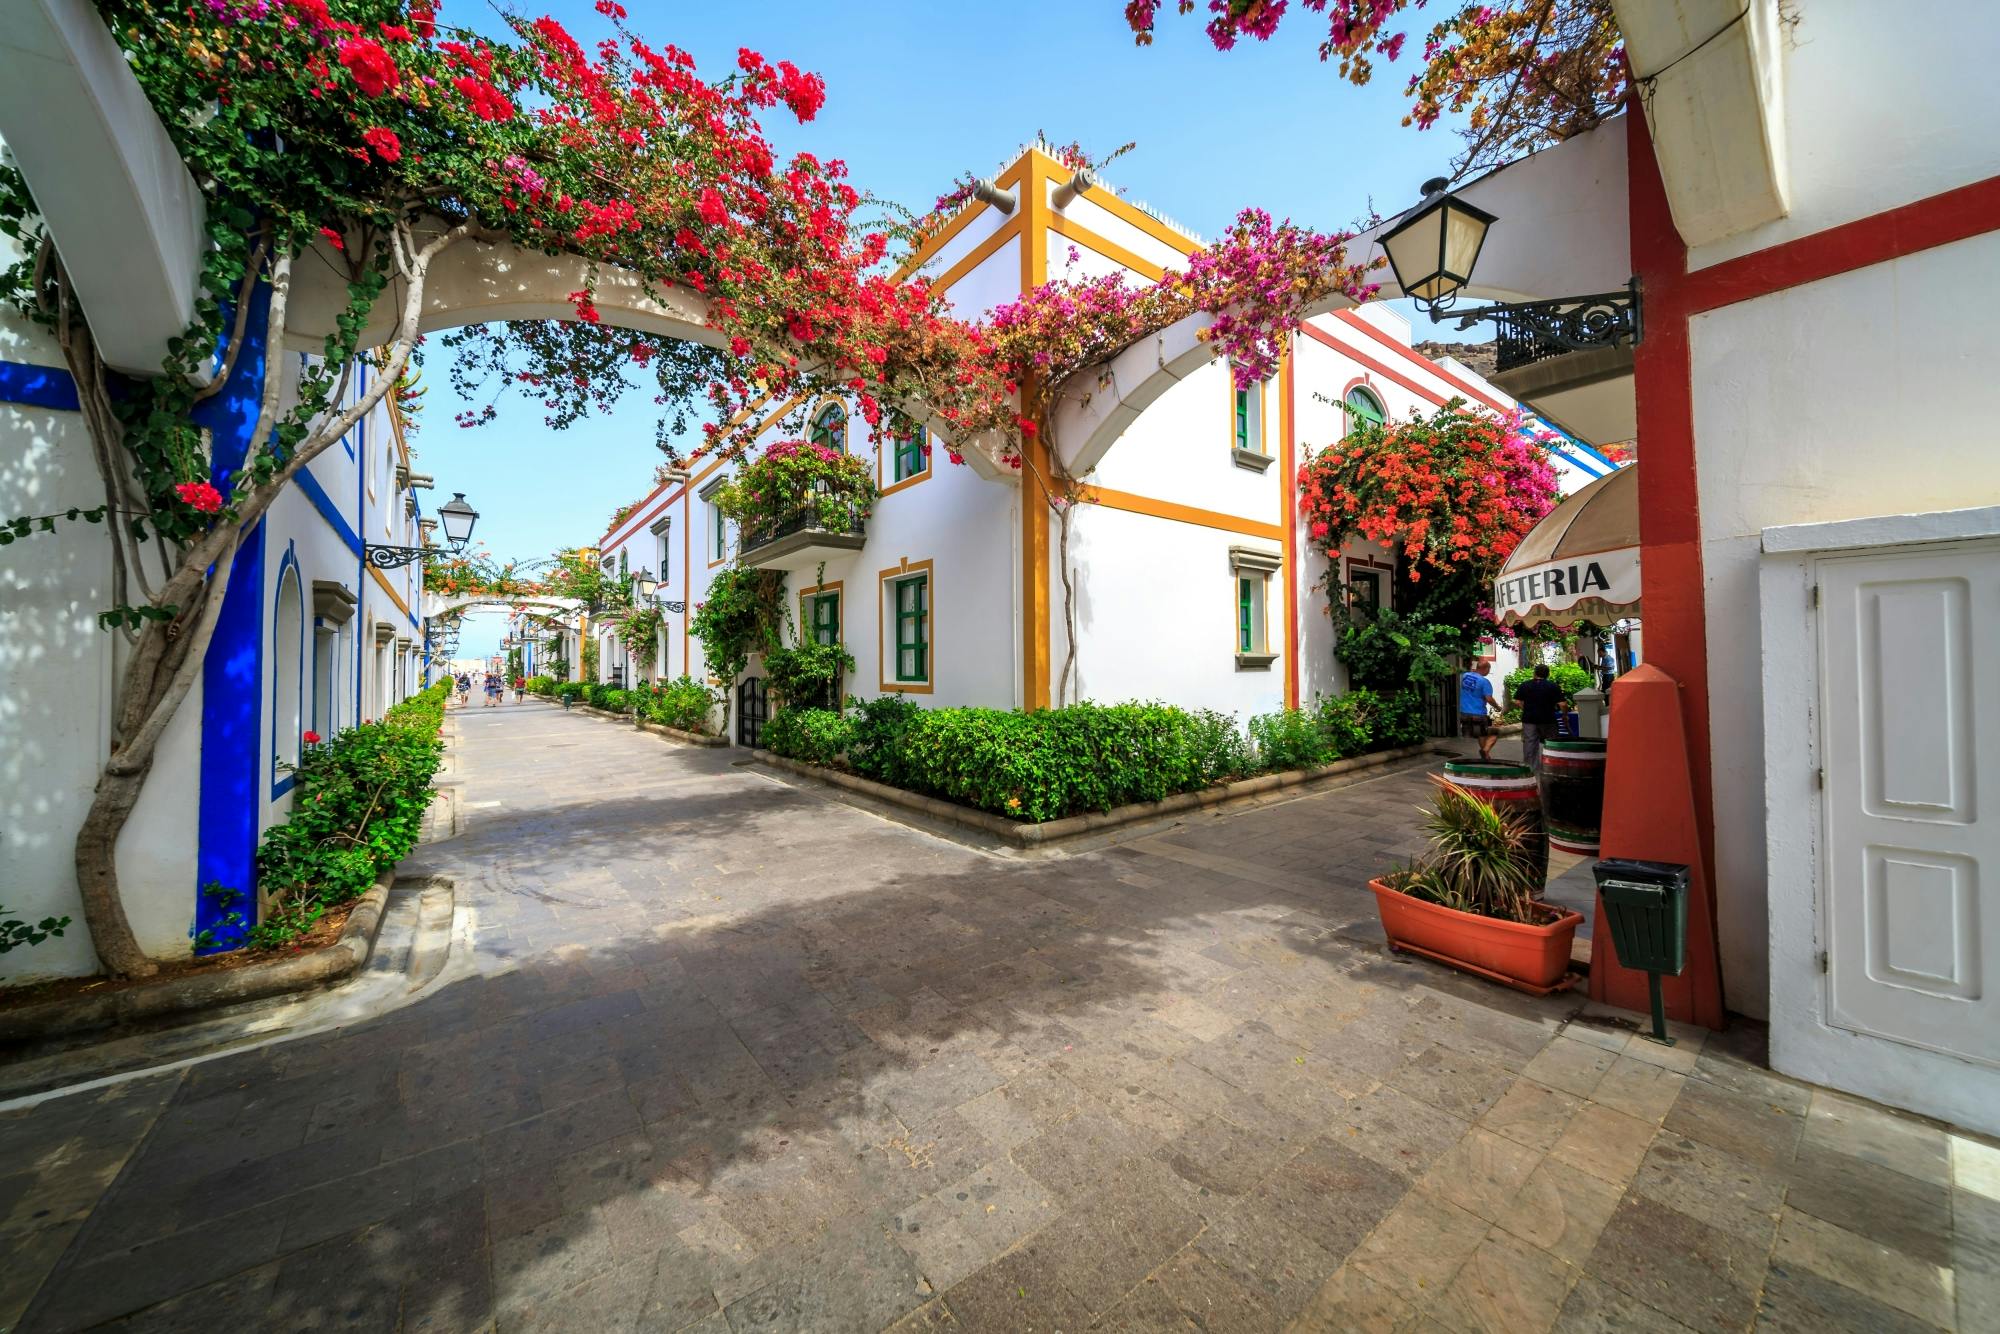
x,y
1573,793
1506,787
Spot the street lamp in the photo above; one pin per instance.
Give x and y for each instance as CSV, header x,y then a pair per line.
x,y
1432,249
647,589
458,519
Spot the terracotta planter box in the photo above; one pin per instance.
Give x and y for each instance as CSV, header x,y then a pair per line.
x,y
1530,958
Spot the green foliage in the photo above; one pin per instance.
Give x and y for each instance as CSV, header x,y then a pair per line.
x,y
807,673
640,633
743,613
1395,649
1568,675
18,934
876,750
1480,860
357,808
1292,739
612,699
572,691
836,489
683,703
811,736
541,685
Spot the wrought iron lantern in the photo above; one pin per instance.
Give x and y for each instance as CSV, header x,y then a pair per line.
x,y
458,519
1433,248
646,589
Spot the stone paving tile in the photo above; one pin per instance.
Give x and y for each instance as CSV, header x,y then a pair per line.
x,y
1706,1278
728,1055
1911,1285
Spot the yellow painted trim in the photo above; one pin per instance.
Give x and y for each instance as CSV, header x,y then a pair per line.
x,y
1035,606
687,573
979,254
1144,221
1235,645
1075,231
1167,509
883,616
883,459
394,596
927,248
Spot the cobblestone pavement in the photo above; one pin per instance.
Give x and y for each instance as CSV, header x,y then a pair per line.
x,y
733,1056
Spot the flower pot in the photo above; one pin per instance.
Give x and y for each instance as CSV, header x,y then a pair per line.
x,y
1529,958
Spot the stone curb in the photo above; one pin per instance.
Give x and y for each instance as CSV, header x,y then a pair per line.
x,y
199,991
1093,822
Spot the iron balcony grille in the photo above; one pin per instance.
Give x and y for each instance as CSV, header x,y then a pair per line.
x,y
813,514
1533,331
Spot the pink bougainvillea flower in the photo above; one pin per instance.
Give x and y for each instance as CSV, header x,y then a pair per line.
x,y
373,68
384,143
199,496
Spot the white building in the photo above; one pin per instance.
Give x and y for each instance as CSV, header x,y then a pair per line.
x,y
1819,498
1192,579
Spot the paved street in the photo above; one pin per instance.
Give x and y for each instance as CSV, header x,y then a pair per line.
x,y
733,1056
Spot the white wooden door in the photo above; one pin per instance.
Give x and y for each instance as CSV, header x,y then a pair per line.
x,y
1910,744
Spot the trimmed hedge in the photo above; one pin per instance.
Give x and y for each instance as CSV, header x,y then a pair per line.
x,y
358,805
1054,763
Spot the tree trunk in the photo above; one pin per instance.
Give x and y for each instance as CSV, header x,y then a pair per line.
x,y
97,871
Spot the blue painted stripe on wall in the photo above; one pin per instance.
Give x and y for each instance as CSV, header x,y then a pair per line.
x,y
329,511
232,716
232,693
37,386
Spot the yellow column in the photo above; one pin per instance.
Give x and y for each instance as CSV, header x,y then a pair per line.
x,y
1035,606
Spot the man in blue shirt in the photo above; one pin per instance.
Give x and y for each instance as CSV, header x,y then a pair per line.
x,y
1475,705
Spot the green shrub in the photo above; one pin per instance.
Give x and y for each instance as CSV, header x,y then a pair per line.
x,y
876,749
806,674
1348,722
683,703
610,698
571,691
1291,739
1568,675
358,803
541,685
811,736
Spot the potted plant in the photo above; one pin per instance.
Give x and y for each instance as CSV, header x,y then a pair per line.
x,y
1473,898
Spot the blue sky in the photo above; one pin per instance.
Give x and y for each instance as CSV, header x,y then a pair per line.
x,y
916,94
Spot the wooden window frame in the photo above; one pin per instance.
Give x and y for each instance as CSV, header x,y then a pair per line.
x,y
808,599
887,638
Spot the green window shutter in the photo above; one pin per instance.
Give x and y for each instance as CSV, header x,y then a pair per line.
x,y
912,629
829,428
826,618
1243,419
1243,626
909,452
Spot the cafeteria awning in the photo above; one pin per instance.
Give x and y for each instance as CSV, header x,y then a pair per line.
x,y
1580,563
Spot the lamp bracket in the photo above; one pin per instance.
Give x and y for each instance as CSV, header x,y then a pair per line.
x,y
390,558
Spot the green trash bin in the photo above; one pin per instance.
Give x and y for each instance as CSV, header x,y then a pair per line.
x,y
1645,912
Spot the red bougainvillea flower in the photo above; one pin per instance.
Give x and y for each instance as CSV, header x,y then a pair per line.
x,y
333,238
611,9
384,143
199,496
373,68
310,738
423,18
486,101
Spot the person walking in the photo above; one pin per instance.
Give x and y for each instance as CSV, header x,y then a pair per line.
x,y
1475,707
492,690
1541,699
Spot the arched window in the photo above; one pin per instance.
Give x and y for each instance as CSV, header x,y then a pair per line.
x,y
829,428
1363,408
288,681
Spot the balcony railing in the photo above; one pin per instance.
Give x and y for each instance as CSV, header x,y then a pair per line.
x,y
1533,331
833,515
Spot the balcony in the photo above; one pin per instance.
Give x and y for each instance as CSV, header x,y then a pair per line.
x,y
1586,392
818,527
